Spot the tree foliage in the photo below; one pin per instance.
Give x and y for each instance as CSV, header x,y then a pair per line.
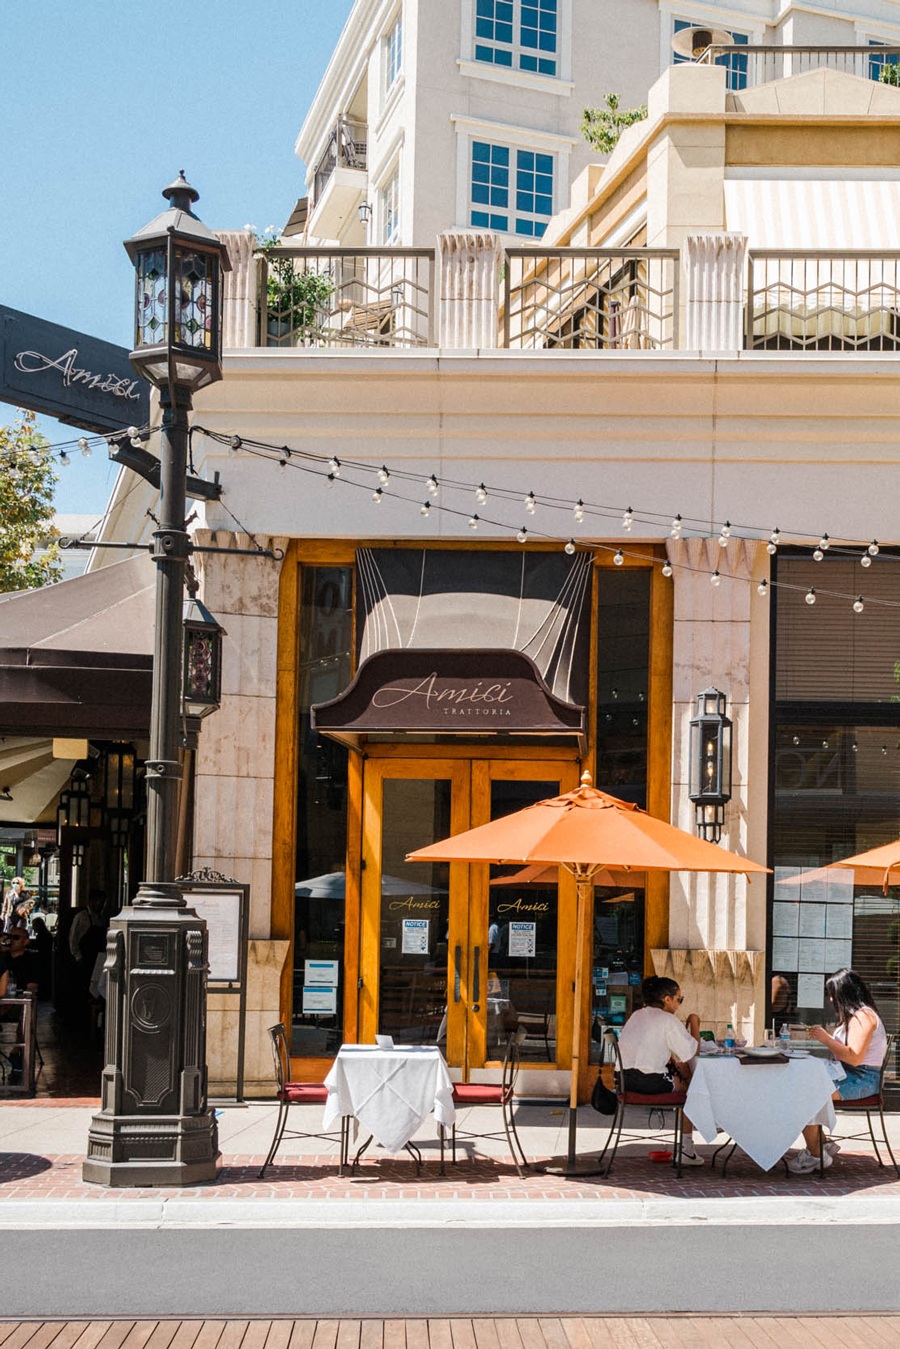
x,y
602,127
27,480
890,73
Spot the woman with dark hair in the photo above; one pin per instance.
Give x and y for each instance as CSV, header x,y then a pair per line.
x,y
859,1044
655,1047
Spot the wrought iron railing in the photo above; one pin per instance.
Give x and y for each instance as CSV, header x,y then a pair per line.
x,y
346,148
823,301
754,64
346,297
608,299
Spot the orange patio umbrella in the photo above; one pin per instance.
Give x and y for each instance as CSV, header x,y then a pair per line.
x,y
539,876
884,861
585,831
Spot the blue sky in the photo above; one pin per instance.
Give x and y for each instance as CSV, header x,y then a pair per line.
x,y
103,102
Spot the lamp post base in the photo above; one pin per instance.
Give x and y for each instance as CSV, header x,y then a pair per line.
x,y
152,1150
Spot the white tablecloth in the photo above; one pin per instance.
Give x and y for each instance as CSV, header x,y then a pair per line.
x,y
390,1091
762,1106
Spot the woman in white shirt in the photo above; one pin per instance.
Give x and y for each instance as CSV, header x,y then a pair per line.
x,y
655,1047
859,1043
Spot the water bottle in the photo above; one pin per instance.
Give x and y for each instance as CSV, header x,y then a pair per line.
x,y
729,1039
784,1037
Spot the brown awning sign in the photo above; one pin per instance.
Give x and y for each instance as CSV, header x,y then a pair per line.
x,y
440,692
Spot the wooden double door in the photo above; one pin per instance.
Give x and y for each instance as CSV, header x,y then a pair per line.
x,y
462,955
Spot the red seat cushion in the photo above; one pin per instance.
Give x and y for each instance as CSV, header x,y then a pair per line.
x,y
672,1098
305,1093
864,1102
477,1093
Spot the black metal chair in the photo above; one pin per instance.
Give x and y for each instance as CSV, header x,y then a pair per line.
x,y
467,1094
673,1100
298,1093
869,1106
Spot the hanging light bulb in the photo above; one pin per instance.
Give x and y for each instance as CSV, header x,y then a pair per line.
x,y
570,547
725,535
858,605
481,494
433,486
133,433
236,444
810,596
763,588
715,579
619,557
522,535
377,495
384,476
667,569
425,509
855,747
64,459
865,560
334,465
677,526
774,540
329,481
824,543
578,511
282,463
530,503
817,555
473,521
84,446
873,548
628,519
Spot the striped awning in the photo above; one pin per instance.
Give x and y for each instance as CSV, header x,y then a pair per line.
x,y
806,213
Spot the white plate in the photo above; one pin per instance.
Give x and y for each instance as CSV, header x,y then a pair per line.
x,y
762,1051
797,1053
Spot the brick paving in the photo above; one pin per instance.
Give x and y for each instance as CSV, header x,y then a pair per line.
x,y
547,1332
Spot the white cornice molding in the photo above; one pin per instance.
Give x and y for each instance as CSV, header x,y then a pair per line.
x,y
529,137
519,79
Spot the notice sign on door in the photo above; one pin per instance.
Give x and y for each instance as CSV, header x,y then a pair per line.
x,y
415,936
319,998
522,939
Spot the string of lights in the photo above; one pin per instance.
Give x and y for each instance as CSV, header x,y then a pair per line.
x,y
63,451
332,470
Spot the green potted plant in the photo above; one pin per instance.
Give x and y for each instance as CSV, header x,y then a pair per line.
x,y
296,296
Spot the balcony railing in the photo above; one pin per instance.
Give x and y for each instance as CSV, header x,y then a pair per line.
x,y
346,297
751,64
823,301
346,148
623,299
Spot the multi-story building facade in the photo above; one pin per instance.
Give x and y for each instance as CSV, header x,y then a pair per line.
x,y
468,114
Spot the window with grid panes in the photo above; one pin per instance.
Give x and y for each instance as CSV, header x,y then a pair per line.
x,y
393,53
518,34
390,209
520,205
734,62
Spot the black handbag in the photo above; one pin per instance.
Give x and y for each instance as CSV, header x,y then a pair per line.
x,y
602,1099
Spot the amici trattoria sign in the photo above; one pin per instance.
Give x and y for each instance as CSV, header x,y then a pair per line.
x,y
79,379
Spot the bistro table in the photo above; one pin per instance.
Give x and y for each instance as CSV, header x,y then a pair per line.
x,y
762,1106
390,1092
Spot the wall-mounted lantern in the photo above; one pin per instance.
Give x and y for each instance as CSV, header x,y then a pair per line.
x,y
710,763
119,775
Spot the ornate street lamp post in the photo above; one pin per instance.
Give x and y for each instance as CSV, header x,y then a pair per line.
x,y
154,1126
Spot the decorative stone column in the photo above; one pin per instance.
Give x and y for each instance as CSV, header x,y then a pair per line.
x,y
239,296
469,305
713,266
717,922
233,792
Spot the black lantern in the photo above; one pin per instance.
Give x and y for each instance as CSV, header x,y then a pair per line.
x,y
119,822
74,810
118,786
710,764
201,686
178,310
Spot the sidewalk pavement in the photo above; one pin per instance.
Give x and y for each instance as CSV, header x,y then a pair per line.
x,y
479,1240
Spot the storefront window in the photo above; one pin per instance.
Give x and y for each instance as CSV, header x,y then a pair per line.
x,y
836,785
623,665
320,890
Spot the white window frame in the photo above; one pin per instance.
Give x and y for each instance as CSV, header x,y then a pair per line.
x,y
469,129
561,82
388,199
392,55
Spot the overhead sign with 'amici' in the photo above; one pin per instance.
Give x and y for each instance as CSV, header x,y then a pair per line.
x,y
79,379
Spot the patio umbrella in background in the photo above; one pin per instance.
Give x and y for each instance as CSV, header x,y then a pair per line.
x,y
333,885
584,831
884,860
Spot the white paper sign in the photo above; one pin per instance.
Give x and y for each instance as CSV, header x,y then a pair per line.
x,y
837,955
785,919
840,887
321,972
522,939
812,920
810,990
811,955
839,921
222,912
319,998
415,936
784,953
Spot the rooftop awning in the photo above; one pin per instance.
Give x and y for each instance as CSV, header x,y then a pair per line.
x,y
804,213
